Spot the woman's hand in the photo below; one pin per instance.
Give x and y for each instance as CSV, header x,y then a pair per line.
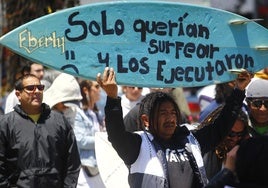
x,y
231,159
107,82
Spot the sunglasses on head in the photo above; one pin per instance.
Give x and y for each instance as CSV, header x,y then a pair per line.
x,y
238,134
257,103
33,87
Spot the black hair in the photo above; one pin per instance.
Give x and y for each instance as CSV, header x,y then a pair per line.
x,y
150,105
26,69
19,85
222,149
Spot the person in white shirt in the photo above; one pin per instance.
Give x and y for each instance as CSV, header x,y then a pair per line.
x,y
130,97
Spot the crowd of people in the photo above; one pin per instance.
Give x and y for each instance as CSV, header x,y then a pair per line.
x,y
49,121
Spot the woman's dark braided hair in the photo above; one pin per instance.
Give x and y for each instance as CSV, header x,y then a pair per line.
x,y
222,149
150,106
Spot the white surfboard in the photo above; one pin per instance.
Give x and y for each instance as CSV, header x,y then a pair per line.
x,y
148,43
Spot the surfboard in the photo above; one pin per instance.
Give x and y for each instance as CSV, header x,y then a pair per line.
x,y
151,44
112,169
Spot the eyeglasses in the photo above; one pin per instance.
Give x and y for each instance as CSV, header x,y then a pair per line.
x,y
32,88
257,103
238,134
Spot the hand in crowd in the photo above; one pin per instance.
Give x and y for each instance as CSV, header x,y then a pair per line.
x,y
107,82
231,159
243,80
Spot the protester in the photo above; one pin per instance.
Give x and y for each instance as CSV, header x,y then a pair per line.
x,y
257,101
87,122
67,98
29,68
166,155
215,159
246,166
37,145
64,96
91,94
130,97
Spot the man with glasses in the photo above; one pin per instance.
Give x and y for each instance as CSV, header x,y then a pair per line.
x,y
30,68
37,145
257,101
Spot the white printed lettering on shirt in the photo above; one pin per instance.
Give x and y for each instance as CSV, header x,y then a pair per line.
x,y
178,155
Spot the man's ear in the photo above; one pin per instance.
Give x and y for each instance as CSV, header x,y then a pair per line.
x,y
17,93
145,120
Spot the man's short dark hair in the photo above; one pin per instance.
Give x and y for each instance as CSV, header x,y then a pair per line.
x,y
19,85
